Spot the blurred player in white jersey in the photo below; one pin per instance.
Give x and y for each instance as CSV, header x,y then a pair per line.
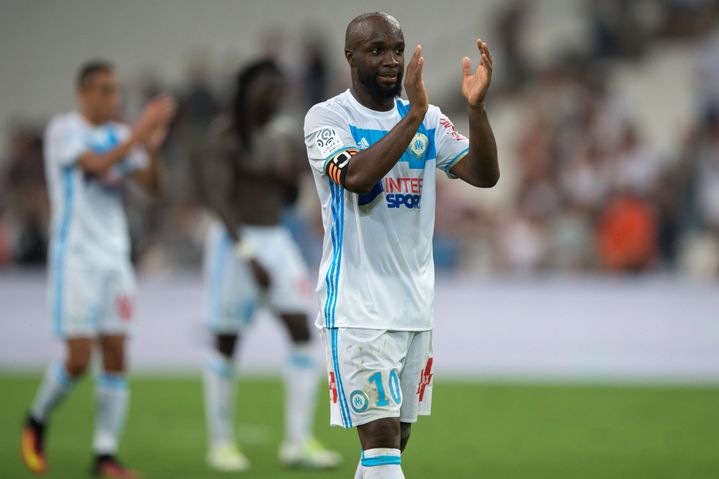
x,y
253,165
374,158
88,157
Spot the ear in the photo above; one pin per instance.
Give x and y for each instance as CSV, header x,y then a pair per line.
x,y
349,55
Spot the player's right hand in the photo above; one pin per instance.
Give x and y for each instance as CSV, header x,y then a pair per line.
x,y
414,83
260,273
157,113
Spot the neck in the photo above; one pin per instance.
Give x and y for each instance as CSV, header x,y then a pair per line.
x,y
92,119
365,98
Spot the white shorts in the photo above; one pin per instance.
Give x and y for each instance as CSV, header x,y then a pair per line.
x,y
375,374
91,299
232,295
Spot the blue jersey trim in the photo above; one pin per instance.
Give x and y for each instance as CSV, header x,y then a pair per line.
x,y
60,247
332,283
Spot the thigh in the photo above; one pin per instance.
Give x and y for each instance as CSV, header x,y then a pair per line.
x,y
291,291
230,292
118,300
112,348
75,301
364,367
416,378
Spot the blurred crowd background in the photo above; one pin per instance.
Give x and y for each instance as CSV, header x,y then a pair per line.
x,y
609,143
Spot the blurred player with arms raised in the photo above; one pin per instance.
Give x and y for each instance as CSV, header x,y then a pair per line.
x,y
88,157
374,158
252,169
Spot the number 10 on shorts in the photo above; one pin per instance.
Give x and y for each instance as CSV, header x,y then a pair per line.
x,y
394,389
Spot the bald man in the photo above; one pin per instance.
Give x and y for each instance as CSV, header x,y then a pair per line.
x,y
374,158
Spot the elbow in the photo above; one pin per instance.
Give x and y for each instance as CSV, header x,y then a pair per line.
x,y
490,182
487,181
357,184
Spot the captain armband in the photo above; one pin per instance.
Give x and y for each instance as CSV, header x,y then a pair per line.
x,y
338,166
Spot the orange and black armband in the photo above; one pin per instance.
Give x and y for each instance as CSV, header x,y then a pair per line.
x,y
338,166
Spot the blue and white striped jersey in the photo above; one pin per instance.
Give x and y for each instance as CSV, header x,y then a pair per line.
x,y
377,269
88,220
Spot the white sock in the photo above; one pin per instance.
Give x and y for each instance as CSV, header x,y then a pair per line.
x,y
111,398
54,387
219,399
301,378
381,463
358,472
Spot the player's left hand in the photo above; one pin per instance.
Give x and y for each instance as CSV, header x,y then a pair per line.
x,y
156,138
475,84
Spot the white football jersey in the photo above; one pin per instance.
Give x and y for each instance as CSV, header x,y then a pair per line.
x,y
377,268
88,220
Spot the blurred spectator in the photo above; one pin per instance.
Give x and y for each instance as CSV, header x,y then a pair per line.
x,y
315,72
25,197
511,26
627,235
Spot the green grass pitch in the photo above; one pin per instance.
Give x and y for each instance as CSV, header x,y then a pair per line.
x,y
477,430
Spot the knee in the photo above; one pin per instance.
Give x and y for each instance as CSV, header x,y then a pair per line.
x,y
381,433
405,431
77,366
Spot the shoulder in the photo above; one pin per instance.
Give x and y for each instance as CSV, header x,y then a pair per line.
x,y
332,110
122,130
63,122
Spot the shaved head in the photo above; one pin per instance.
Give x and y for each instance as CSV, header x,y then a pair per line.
x,y
363,26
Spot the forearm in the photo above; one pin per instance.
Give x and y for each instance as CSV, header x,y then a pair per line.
x,y
371,165
481,162
98,164
152,178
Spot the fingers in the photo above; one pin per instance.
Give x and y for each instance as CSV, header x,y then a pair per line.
x,y
420,61
485,56
466,66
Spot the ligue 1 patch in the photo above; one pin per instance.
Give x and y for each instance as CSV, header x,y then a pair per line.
x,y
418,145
359,400
327,141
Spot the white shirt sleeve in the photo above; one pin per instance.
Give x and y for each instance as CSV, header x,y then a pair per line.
x,y
326,135
451,145
64,141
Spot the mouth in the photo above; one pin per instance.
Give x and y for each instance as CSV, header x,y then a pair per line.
x,y
388,78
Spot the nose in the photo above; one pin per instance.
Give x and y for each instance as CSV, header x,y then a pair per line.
x,y
391,59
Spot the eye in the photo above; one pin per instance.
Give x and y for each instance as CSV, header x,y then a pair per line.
x,y
399,51
375,51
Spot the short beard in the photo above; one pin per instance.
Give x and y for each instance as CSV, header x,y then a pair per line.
x,y
378,92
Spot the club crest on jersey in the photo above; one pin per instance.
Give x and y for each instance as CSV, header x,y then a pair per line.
x,y
359,400
418,146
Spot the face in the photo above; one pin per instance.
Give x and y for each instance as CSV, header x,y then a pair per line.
x,y
100,96
378,60
266,93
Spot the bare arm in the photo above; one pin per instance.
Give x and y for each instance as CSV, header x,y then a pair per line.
x,y
157,112
152,177
372,164
217,179
480,167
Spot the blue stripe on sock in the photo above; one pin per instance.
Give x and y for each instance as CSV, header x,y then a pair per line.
x,y
112,381
302,360
380,461
220,368
61,374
